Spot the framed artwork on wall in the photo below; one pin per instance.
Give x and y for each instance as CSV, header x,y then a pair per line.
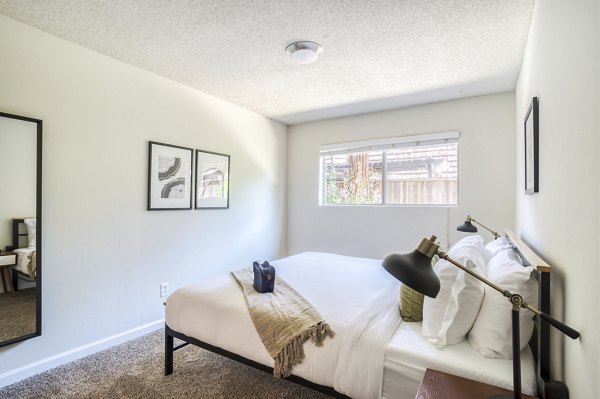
x,y
212,180
532,148
169,177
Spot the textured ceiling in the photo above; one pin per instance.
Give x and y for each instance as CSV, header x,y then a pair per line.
x,y
377,54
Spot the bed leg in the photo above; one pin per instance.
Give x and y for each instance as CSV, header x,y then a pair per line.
x,y
168,353
15,281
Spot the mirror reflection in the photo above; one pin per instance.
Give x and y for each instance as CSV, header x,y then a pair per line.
x,y
20,237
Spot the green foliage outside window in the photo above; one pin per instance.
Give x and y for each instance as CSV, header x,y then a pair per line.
x,y
358,183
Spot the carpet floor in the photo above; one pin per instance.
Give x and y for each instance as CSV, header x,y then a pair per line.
x,y
135,370
17,314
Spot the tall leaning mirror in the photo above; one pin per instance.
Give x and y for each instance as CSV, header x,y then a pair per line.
x,y
20,228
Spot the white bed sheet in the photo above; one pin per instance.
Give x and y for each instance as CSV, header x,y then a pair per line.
x,y
409,354
340,287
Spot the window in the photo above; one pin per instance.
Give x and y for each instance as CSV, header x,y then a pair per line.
x,y
410,170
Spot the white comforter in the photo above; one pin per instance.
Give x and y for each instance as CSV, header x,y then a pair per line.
x,y
361,355
23,259
356,296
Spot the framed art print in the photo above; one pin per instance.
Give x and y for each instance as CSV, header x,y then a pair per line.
x,y
212,180
532,148
169,177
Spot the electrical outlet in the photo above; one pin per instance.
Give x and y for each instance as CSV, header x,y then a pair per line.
x,y
164,290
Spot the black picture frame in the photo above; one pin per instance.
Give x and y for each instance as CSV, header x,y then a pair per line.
x,y
212,180
532,148
169,177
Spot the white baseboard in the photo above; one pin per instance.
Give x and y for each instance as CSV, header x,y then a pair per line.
x,y
18,374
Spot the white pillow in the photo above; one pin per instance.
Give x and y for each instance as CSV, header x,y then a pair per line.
x,y
30,224
448,318
497,245
491,334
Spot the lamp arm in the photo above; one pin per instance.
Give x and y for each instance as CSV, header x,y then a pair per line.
x,y
496,235
514,298
445,256
565,329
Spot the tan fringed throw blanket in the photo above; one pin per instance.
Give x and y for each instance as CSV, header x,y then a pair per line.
x,y
284,320
32,264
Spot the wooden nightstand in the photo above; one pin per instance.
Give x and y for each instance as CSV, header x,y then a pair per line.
x,y
438,385
7,259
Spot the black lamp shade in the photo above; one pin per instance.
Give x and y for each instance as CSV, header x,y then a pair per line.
x,y
414,270
467,227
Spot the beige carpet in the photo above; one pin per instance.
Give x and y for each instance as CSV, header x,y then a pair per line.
x,y
17,314
135,370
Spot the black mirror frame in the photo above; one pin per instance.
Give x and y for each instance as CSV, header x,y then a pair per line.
x,y
38,232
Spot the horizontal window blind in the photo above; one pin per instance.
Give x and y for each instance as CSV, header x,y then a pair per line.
x,y
388,143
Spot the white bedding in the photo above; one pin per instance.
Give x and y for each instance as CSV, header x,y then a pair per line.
x,y
363,344
340,288
23,259
409,354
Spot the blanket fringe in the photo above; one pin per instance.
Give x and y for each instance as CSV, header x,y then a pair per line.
x,y
293,352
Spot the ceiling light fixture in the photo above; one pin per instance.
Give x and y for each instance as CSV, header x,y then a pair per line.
x,y
304,52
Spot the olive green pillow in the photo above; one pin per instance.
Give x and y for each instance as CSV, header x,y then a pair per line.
x,y
411,304
411,301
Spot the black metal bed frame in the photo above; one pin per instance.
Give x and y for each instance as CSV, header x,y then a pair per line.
x,y
540,339
539,344
170,348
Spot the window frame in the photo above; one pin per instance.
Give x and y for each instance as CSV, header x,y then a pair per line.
x,y
383,145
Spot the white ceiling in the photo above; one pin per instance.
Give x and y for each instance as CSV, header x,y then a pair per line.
x,y
377,54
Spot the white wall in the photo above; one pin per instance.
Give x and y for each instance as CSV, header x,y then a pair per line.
x,y
561,221
18,145
104,253
486,179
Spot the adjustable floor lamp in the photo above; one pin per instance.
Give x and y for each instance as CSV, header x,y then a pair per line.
x,y
414,269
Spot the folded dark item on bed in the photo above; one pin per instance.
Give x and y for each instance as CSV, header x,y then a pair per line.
x,y
264,277
284,320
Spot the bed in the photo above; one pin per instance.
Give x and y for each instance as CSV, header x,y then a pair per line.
x,y
22,235
213,315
